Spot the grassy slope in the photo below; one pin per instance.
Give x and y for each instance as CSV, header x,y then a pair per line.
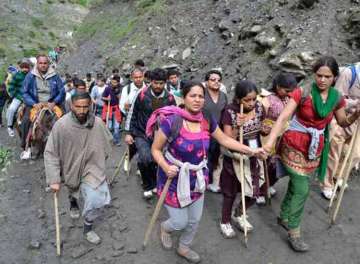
x,y
29,27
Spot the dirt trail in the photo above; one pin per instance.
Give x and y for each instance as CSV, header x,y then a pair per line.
x,y
26,215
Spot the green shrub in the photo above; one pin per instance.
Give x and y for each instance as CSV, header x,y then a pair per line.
x,y
2,53
52,35
80,2
5,155
37,22
32,34
30,52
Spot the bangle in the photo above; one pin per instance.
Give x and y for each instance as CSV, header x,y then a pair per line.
x,y
347,120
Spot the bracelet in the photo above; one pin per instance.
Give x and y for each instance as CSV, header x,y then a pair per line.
x,y
347,120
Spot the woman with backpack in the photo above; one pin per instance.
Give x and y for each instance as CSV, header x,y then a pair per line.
x,y
187,134
304,147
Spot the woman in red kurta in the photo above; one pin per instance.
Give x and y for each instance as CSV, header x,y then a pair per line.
x,y
303,148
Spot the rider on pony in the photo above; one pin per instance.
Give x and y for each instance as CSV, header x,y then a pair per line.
x,y
42,88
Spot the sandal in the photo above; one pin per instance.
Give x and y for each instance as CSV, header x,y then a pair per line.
x,y
165,238
188,254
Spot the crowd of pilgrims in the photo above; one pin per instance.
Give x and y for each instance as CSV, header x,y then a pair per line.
x,y
285,132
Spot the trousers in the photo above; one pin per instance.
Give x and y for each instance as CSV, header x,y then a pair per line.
x,y
186,219
292,207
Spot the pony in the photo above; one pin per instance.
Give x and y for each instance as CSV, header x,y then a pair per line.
x,y
39,132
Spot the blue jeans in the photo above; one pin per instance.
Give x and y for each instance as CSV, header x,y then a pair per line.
x,y
114,126
13,107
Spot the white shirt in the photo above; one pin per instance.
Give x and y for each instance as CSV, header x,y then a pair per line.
x,y
128,98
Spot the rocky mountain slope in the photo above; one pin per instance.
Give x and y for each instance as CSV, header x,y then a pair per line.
x,y
244,38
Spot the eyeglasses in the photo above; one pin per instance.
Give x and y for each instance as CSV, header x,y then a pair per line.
x,y
215,80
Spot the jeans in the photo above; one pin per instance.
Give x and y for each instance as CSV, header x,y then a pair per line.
x,y
114,126
13,107
186,219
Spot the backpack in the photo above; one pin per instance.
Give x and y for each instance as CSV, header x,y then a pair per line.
x,y
178,123
355,68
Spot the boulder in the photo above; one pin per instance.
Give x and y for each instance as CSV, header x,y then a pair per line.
x,y
256,29
172,53
265,41
290,62
307,57
306,3
186,53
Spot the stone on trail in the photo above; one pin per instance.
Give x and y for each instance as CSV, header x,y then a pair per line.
x,y
132,250
117,235
34,244
116,254
80,251
41,214
118,245
224,25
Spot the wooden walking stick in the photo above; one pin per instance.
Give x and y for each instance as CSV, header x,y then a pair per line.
x,y
117,170
57,225
346,177
242,179
108,112
267,182
345,162
156,212
127,165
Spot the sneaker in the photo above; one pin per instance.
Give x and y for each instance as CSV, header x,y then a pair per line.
x,y
340,183
11,132
241,221
165,238
227,230
74,211
26,154
92,237
188,254
154,191
148,194
213,188
272,191
260,200
298,244
327,193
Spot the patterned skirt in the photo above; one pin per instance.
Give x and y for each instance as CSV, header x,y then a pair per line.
x,y
295,162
